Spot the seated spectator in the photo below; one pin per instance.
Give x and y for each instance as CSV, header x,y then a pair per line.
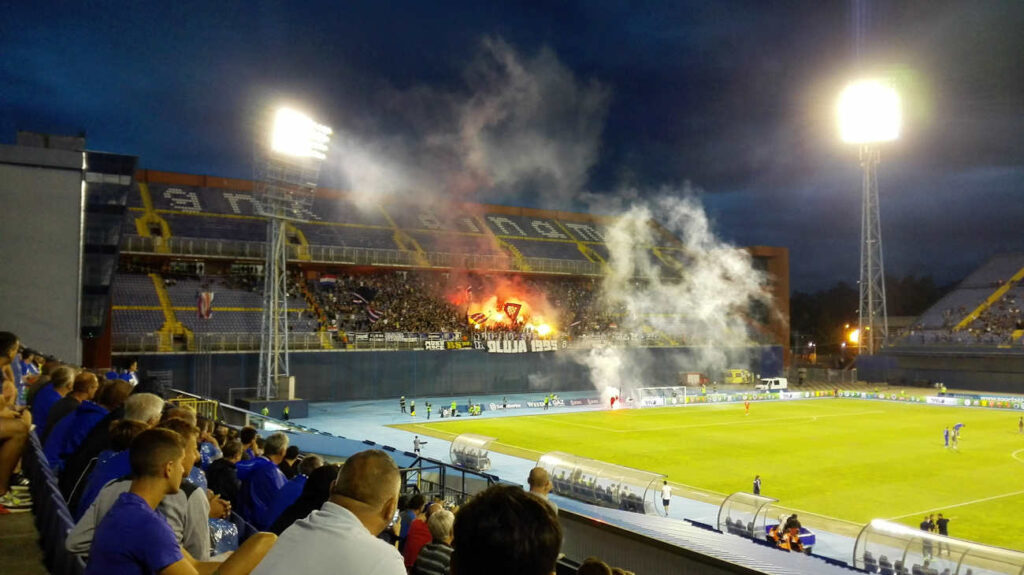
x,y
47,397
417,536
261,480
186,510
69,432
290,464
314,494
248,437
412,508
222,477
504,531
540,485
209,447
15,425
133,538
593,566
343,533
95,441
434,557
111,464
293,489
62,376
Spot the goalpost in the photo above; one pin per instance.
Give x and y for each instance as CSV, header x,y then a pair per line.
x,y
660,396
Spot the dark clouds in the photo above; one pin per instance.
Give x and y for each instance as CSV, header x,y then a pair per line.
x,y
735,97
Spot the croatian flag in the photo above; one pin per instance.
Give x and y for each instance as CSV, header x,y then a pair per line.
x,y
204,304
356,298
328,280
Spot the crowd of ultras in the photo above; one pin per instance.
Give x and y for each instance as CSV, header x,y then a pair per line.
x,y
152,487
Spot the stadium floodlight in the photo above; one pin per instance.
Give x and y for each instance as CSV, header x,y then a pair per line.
x,y
296,134
869,112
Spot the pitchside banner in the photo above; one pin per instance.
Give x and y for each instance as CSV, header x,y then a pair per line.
x,y
520,346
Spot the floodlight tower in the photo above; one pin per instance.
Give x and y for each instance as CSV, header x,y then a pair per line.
x,y
869,115
287,168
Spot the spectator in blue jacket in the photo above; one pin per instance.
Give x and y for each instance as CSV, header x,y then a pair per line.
x,y
113,463
293,489
261,481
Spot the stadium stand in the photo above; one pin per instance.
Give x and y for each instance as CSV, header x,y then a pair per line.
x,y
983,310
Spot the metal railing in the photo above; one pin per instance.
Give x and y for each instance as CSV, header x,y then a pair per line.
x,y
356,255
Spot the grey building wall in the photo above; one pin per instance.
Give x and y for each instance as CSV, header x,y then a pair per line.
x,y
40,247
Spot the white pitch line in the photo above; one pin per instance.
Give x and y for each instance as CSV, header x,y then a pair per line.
x,y
943,508
1014,455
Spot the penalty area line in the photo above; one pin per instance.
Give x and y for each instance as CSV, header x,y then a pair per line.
x,y
965,503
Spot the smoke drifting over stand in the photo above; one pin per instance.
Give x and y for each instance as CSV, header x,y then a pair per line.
x,y
704,303
525,130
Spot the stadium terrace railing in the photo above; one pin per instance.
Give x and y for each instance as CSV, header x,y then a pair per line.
x,y
355,255
213,342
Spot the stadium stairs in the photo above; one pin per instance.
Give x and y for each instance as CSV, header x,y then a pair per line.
x,y
990,300
150,219
517,256
172,327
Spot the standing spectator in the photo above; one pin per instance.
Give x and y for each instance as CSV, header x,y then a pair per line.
x,y
222,477
666,495
344,531
505,531
926,544
261,480
757,485
942,525
417,444
407,514
541,486
435,556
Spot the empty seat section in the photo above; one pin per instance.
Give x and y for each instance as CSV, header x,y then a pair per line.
x,y
133,289
448,243
551,250
136,321
213,227
348,236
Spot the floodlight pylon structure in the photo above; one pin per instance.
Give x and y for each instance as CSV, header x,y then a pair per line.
x,y
287,167
869,114
874,319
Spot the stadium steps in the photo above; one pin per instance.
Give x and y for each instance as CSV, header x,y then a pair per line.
x,y
671,263
325,336
303,246
591,255
172,327
517,256
990,300
1016,336
150,218
404,241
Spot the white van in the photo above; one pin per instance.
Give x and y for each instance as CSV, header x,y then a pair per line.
x,y
772,384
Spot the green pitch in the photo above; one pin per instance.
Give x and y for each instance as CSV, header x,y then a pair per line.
x,y
847,461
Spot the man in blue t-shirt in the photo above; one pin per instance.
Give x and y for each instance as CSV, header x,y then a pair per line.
x,y
134,538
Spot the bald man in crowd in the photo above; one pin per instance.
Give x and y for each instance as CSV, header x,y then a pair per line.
x,y
540,485
343,533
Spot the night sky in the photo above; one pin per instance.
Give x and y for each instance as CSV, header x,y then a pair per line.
x,y
569,105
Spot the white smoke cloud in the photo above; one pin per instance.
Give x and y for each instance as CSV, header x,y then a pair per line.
x,y
520,129
703,303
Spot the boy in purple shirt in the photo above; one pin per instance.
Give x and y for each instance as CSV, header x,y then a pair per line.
x,y
134,538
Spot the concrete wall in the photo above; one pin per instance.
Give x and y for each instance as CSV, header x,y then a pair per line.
x,y
340,376
40,247
983,371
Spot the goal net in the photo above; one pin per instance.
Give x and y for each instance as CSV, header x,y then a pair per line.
x,y
660,396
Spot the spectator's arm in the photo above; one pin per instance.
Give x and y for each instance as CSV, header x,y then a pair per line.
x,y
195,537
80,537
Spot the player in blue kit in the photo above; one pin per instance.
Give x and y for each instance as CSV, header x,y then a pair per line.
x,y
945,435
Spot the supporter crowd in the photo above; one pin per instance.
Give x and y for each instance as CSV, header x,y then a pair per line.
x,y
154,488
993,326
